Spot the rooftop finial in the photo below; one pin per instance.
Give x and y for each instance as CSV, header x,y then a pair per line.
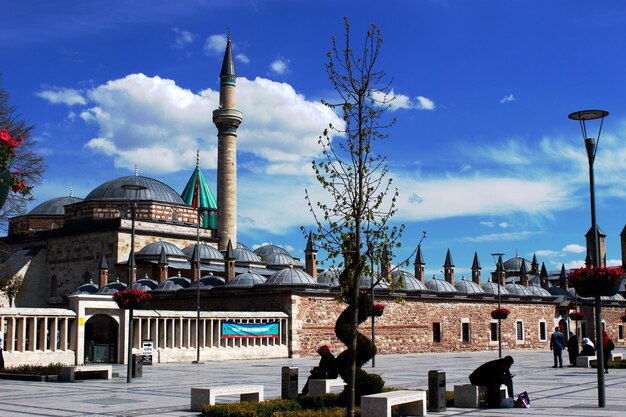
x,y
197,158
136,170
228,33
71,192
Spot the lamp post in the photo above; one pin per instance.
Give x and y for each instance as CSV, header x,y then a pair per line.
x,y
591,146
497,257
131,275
201,211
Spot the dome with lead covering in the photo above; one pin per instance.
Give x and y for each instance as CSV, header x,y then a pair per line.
x,y
366,282
155,191
537,291
207,253
145,284
492,288
246,280
153,250
516,289
269,249
290,276
410,283
440,286
468,287
279,259
54,207
514,265
329,277
244,255
209,281
111,288
174,284
87,288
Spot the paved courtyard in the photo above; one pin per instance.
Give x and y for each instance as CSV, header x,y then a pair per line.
x,y
164,389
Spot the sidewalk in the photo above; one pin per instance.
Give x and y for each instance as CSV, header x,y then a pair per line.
x,y
164,389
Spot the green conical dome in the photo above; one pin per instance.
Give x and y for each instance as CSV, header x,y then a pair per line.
x,y
197,193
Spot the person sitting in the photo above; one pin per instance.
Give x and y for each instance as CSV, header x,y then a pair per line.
x,y
326,369
491,375
588,348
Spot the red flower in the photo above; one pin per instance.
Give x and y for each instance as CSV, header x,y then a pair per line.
x,y
500,313
378,306
597,273
133,298
576,315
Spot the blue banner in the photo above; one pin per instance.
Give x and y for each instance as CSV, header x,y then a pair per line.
x,y
231,329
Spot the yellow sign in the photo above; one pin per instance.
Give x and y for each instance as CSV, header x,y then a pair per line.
x,y
81,321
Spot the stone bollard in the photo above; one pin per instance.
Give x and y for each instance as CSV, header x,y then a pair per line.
x,y
436,390
289,383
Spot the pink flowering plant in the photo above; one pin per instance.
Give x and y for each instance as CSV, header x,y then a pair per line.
x,y
7,154
500,313
128,299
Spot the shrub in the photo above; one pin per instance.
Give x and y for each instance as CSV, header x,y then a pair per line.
x,y
331,400
52,369
250,409
326,412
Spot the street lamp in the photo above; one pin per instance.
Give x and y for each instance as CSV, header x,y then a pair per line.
x,y
497,258
591,145
131,275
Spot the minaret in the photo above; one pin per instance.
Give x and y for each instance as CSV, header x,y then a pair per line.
x,y
310,257
419,264
227,119
448,268
601,245
476,269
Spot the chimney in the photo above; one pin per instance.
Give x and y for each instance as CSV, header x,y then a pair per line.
x,y
104,271
162,265
419,264
195,263
563,278
476,278
543,277
310,257
229,263
448,268
523,274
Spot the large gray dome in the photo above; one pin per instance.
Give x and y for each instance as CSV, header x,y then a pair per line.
x,y
290,276
516,289
492,288
538,291
246,256
439,285
207,253
153,250
88,288
155,191
55,206
410,282
269,249
209,281
329,277
515,264
246,280
468,287
111,288
174,284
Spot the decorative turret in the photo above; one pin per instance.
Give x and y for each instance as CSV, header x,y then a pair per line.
x,y
523,274
563,278
476,270
227,119
103,269
601,245
534,265
448,268
543,277
195,263
162,264
623,240
229,263
310,257
419,264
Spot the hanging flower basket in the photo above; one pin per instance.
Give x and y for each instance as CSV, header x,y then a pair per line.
x,y
577,315
500,313
378,309
594,281
131,299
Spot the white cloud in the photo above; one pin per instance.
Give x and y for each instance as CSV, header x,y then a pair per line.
x,y
578,263
153,121
488,224
499,237
574,248
507,99
280,66
401,101
68,96
504,225
242,58
547,253
215,44
183,37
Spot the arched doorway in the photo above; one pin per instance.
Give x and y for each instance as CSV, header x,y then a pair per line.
x,y
101,339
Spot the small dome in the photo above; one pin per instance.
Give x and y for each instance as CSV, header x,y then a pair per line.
x,y
246,280
410,282
269,249
538,291
492,288
207,253
246,256
209,281
440,286
516,289
145,284
174,284
278,260
155,191
468,287
111,288
153,250
329,277
241,246
290,276
514,265
54,207
87,288
366,282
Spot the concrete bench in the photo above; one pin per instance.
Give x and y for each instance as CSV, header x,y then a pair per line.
x,y
69,373
206,395
319,387
586,361
616,357
410,403
468,395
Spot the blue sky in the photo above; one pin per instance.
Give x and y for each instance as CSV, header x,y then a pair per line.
x,y
483,153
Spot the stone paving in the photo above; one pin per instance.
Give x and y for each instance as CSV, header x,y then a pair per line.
x,y
164,389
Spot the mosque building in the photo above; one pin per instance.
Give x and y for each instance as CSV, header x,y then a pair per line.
x,y
136,231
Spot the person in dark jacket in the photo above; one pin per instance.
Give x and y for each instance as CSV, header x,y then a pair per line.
x,y
572,348
326,369
607,348
588,348
491,375
557,344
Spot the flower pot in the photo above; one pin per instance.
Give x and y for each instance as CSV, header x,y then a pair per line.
x,y
500,316
377,312
594,287
5,186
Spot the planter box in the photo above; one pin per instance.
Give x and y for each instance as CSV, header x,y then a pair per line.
x,y
34,378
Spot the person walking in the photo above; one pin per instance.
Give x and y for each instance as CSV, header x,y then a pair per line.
x,y
557,344
572,348
607,348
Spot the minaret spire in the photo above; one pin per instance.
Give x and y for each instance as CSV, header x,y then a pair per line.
x,y
227,118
